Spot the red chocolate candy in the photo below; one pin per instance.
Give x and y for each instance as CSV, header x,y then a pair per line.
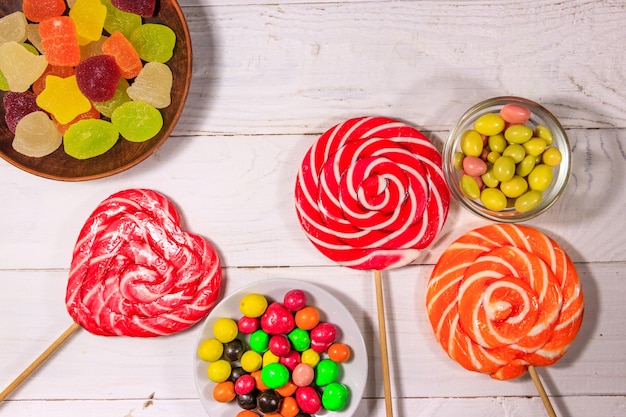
x,y
308,399
277,319
322,336
295,300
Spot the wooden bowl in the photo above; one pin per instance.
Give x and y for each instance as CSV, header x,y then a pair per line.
x,y
125,154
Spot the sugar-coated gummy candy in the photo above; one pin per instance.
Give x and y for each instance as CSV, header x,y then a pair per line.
x,y
18,105
120,21
92,48
143,8
97,77
36,135
13,27
124,54
89,16
63,72
119,97
153,85
33,36
60,41
20,67
138,121
4,84
40,10
91,114
154,42
63,99
89,138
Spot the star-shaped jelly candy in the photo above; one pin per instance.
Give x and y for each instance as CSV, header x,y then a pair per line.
x,y
62,98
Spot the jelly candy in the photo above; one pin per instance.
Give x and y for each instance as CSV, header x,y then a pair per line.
x,y
137,121
62,98
153,85
120,97
92,48
13,27
36,135
33,36
18,105
154,42
93,113
97,77
124,53
143,8
88,15
89,138
4,84
120,21
40,10
60,41
40,83
20,67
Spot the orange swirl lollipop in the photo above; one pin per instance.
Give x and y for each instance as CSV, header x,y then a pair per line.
x,y
136,273
504,297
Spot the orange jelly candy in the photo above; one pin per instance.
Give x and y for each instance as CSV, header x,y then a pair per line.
x,y
124,53
60,41
40,10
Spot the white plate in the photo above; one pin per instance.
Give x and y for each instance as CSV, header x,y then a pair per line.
x,y
354,373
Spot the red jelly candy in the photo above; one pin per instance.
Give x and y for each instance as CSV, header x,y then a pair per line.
x,y
143,8
18,105
40,10
60,41
97,77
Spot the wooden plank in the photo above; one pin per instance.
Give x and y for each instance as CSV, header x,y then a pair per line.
x,y
94,367
299,68
238,193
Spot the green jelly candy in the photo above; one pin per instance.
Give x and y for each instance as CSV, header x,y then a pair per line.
x,y
137,121
154,42
335,396
275,375
120,97
153,85
326,372
36,135
120,21
4,84
90,137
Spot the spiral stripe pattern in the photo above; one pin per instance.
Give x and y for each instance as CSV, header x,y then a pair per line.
x,y
370,193
134,272
503,297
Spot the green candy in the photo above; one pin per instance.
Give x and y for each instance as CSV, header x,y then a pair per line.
x,y
119,97
300,339
137,121
326,372
335,396
275,375
90,137
154,42
118,20
259,341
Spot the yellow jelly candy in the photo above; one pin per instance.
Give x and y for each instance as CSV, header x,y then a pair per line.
x,y
20,67
63,99
36,135
88,16
153,85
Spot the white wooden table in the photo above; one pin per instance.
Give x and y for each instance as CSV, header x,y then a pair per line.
x,y
268,79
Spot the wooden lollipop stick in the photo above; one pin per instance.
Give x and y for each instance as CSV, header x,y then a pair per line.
x,y
382,334
542,392
40,359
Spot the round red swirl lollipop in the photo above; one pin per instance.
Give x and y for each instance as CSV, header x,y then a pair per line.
x,y
370,193
503,298
135,272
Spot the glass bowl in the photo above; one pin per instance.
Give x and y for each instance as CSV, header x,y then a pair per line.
x,y
353,372
453,167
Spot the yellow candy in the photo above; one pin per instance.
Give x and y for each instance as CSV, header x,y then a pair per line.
x,y
310,357
518,133
88,16
489,124
225,329
63,99
493,199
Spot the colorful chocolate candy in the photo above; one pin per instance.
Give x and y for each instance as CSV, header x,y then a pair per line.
x,y
274,369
